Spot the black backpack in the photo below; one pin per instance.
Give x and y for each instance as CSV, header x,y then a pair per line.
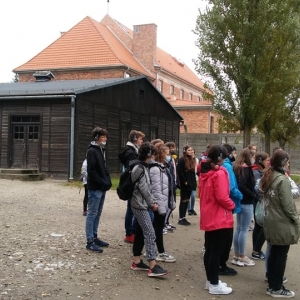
x,y
126,185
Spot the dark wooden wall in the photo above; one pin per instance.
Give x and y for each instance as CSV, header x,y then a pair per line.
x,y
123,102
54,131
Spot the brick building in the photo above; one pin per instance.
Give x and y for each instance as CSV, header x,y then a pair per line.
x,y
108,49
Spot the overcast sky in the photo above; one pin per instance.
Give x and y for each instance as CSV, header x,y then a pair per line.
x,y
29,26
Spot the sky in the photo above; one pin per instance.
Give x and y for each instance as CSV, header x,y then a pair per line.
x,y
29,26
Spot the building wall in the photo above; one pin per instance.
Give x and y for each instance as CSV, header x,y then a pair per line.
x,y
78,74
54,131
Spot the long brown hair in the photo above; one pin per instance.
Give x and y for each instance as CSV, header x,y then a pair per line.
x,y
278,161
160,152
189,161
244,158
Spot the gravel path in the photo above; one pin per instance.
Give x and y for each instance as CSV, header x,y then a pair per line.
x,y
43,255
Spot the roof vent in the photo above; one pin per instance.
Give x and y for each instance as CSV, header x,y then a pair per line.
x,y
41,76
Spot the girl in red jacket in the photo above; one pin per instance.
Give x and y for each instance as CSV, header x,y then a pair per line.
x,y
215,215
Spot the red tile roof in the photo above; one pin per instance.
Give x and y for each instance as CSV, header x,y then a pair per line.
x,y
91,44
87,44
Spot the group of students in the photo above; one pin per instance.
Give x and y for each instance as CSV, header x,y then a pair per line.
x,y
228,185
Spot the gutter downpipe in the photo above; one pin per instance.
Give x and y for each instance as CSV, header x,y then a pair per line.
x,y
71,176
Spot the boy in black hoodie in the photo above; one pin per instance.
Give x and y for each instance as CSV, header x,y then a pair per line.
x,y
98,183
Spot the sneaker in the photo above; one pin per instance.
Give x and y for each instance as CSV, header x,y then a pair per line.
x,y
268,291
219,289
190,212
227,271
129,239
282,293
100,243
259,255
208,283
84,213
165,257
141,266
157,271
165,231
194,213
169,227
93,247
237,262
247,261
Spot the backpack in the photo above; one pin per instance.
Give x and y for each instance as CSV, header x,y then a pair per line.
x,y
126,185
260,213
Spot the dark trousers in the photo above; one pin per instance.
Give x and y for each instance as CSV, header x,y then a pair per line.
x,y
276,266
182,209
215,244
258,237
130,222
85,198
158,224
226,252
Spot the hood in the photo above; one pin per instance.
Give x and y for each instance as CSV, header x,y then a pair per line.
x,y
93,144
255,167
227,161
133,146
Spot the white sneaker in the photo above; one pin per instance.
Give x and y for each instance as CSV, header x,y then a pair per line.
x,y
247,261
219,289
165,257
236,261
208,283
165,231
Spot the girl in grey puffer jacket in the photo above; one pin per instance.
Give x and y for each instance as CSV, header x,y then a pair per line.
x,y
162,190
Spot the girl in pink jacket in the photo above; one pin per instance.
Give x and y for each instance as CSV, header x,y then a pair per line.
x,y
215,215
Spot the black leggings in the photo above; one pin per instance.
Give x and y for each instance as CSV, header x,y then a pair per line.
x,y
158,224
85,199
215,245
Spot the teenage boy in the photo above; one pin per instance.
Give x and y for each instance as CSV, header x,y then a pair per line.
x,y
98,183
130,153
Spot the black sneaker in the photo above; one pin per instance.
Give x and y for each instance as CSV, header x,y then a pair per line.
x,y
100,243
190,212
157,271
184,222
194,213
141,266
93,247
227,271
258,255
282,293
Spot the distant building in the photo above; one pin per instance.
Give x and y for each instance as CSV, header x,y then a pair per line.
x,y
108,49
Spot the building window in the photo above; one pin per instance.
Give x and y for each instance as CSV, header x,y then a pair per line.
x,y
136,29
181,94
190,96
160,85
125,129
171,89
198,99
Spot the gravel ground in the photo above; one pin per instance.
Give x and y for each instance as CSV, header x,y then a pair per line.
x,y
43,255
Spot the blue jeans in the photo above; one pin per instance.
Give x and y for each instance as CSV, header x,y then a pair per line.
x,y
192,201
243,220
130,221
95,206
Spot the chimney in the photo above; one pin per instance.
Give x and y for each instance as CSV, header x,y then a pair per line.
x,y
144,44
41,76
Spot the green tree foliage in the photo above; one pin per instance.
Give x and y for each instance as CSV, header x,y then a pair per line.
x,y
249,53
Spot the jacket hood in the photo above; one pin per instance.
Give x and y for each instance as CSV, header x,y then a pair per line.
x,y
133,146
255,167
93,144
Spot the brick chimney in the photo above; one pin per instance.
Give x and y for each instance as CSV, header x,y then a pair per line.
x,y
144,44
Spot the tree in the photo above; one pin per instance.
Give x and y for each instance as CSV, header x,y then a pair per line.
x,y
249,52
15,78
